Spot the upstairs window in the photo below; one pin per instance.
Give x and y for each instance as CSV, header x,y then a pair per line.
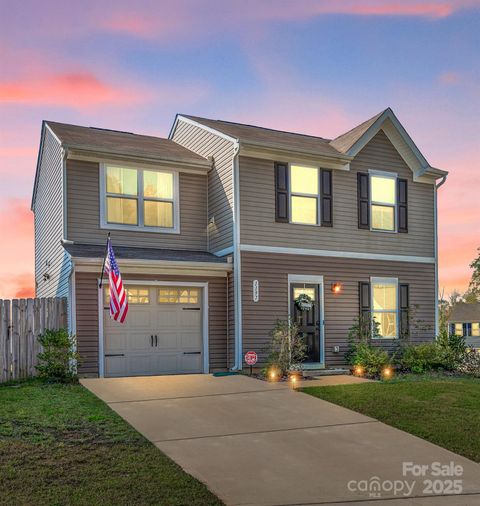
x,y
139,198
476,329
304,194
383,202
459,329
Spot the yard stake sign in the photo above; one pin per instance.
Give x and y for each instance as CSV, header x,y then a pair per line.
x,y
118,294
251,359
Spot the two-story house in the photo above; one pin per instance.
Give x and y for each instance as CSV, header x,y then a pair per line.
x,y
220,229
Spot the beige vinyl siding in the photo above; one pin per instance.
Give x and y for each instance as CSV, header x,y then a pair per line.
x,y
272,271
220,183
87,317
83,212
257,208
50,257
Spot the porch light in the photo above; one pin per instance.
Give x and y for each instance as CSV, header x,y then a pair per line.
x,y
336,287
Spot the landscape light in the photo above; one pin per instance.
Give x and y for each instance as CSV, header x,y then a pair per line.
x,y
387,372
359,370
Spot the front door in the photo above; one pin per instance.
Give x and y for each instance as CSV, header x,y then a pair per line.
x,y
308,320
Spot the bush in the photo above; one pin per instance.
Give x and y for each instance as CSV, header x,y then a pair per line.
x,y
372,359
421,358
453,348
470,363
57,361
287,349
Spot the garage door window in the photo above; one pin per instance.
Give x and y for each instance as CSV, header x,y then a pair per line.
x,y
135,296
178,295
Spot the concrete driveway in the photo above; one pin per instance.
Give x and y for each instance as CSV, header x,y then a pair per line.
x,y
256,443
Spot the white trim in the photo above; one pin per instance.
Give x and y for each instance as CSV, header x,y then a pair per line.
x,y
47,126
205,309
200,125
73,302
387,281
64,190
316,196
237,271
337,254
313,280
140,227
223,252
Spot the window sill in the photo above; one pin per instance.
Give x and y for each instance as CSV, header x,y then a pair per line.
x,y
135,228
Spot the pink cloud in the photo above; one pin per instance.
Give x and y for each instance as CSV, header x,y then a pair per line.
x,y
449,78
16,260
69,88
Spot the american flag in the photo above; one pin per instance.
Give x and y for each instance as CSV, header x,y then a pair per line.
x,y
118,295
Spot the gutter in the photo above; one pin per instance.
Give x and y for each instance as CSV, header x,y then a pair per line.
x,y
435,219
237,278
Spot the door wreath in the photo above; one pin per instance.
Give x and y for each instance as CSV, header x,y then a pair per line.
x,y
304,302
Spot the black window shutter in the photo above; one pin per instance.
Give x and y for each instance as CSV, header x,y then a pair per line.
x,y
467,329
281,192
402,202
364,303
452,329
404,311
363,188
326,197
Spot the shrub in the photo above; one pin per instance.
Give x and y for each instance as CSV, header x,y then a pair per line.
x,y
372,359
470,363
57,360
287,349
421,358
453,348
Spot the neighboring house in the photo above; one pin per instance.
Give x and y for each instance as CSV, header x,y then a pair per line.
x,y
465,321
220,228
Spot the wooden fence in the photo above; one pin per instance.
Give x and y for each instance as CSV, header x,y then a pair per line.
x,y
21,322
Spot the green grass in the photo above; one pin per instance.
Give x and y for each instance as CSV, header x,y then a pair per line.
x,y
60,445
443,410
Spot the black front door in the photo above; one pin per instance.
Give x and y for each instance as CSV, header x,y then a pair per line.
x,y
308,320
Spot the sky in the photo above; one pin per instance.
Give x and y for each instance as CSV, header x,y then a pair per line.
x,y
311,66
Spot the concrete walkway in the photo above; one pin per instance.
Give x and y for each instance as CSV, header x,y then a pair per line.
x,y
257,443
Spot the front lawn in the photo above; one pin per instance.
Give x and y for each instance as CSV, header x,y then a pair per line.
x,y
442,410
60,445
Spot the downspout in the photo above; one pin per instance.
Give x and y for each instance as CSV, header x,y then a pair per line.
x,y
237,278
435,211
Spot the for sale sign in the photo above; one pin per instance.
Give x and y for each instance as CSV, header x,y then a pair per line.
x,y
251,358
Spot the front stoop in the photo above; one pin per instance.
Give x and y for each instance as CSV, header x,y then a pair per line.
x,y
326,372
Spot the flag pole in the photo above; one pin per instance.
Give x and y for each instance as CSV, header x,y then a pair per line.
x,y
104,258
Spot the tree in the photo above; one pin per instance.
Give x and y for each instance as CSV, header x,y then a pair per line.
x,y
474,286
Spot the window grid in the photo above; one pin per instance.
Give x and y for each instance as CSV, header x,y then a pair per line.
x,y
395,312
293,194
140,198
377,203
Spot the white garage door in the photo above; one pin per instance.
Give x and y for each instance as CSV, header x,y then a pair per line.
x,y
162,333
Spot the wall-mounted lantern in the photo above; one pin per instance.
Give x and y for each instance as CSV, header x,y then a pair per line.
x,y
337,288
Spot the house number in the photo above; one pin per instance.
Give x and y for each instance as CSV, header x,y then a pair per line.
x,y
256,291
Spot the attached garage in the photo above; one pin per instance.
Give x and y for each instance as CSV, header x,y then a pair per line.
x,y
164,332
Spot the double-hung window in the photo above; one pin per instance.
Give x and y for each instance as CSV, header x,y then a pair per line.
x,y
136,198
304,195
385,306
476,329
383,202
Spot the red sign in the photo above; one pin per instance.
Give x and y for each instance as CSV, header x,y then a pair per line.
x,y
251,358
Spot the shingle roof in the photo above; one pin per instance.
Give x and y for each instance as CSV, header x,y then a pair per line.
x,y
122,252
345,141
123,143
465,313
251,134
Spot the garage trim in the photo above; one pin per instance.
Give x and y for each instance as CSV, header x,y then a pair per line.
x,y
204,286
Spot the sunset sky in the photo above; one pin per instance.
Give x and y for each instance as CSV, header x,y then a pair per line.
x,y
317,67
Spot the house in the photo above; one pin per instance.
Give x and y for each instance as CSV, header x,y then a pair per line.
x,y
220,229
464,320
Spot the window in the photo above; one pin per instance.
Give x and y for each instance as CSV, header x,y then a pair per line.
x,y
304,194
170,295
476,329
459,329
383,202
140,198
134,295
307,291
385,306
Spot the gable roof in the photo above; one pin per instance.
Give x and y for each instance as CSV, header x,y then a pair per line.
x,y
465,313
268,137
123,143
345,146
